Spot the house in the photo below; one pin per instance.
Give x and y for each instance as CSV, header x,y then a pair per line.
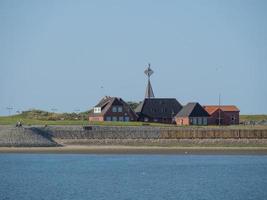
x,y
112,109
192,114
162,110
223,114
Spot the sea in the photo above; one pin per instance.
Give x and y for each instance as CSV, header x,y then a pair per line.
x,y
132,177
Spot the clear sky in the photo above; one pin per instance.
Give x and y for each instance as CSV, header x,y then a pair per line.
x,y
68,54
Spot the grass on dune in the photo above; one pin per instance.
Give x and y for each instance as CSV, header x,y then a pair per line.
x,y
12,120
253,117
38,117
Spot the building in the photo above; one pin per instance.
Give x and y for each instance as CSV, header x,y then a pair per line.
x,y
151,109
162,110
192,114
222,115
112,109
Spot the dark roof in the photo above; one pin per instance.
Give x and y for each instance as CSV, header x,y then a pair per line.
x,y
193,110
158,107
106,102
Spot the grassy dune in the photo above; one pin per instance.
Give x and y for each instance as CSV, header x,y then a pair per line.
x,y
252,117
38,117
12,120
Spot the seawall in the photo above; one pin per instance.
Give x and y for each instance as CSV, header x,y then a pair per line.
x,y
24,137
131,135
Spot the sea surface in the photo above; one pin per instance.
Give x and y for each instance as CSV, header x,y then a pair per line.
x,y
138,177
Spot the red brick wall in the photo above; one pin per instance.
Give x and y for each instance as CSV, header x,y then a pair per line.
x,y
231,118
226,118
96,119
180,121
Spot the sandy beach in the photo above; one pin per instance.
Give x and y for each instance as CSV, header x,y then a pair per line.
x,y
71,149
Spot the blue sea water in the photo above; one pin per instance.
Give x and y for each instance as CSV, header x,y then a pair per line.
x,y
115,177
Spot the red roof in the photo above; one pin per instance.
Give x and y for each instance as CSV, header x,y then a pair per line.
x,y
224,108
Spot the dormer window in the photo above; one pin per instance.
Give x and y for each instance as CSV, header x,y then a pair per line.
x,y
114,109
119,108
97,109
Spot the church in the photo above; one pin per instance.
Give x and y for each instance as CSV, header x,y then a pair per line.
x,y
152,109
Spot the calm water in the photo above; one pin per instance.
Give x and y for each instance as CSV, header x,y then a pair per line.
x,y
114,177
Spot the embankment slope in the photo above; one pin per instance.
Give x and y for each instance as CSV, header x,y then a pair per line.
x,y
41,136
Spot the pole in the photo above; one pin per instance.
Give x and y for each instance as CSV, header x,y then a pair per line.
x,y
219,109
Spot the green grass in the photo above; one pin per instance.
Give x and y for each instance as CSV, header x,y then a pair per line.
x,y
252,117
37,117
12,120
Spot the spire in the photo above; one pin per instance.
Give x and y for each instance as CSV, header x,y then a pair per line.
x,y
149,90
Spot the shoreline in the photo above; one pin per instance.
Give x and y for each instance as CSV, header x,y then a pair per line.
x,y
79,149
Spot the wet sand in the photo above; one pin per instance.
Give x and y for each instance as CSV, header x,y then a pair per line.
x,y
79,149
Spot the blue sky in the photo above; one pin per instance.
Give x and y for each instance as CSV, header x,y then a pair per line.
x,y
58,54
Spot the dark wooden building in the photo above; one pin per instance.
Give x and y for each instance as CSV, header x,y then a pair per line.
x,y
112,109
161,110
192,114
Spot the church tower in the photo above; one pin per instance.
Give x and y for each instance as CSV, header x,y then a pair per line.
x,y
149,91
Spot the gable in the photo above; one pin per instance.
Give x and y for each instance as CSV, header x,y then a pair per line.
x,y
199,111
193,110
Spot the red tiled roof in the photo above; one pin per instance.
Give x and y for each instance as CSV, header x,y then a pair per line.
x,y
226,108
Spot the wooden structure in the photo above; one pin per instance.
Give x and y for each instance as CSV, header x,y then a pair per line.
x,y
162,110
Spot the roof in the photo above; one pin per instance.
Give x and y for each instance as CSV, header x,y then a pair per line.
x,y
149,90
193,109
225,108
158,107
106,102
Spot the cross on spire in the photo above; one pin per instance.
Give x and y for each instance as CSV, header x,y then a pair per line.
x,y
149,91
149,71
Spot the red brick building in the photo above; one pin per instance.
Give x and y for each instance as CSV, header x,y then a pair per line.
x,y
112,109
222,115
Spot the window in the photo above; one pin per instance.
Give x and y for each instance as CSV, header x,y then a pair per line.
x,y
199,121
114,118
119,108
108,118
233,118
121,119
194,121
126,119
146,119
114,109
205,121
97,109
153,110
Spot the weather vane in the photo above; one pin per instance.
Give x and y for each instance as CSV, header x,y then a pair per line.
x,y
149,71
149,91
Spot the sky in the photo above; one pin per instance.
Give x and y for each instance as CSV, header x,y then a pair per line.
x,y
67,55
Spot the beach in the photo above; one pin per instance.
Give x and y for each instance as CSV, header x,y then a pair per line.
x,y
79,149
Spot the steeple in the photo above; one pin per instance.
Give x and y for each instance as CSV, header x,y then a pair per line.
x,y
149,91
